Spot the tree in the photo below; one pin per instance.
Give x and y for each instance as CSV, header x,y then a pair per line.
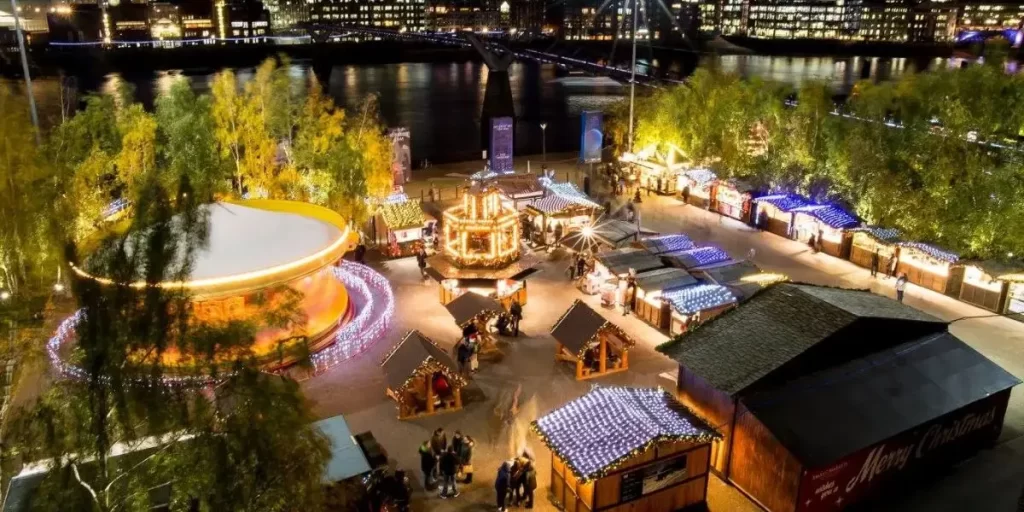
x,y
226,109
187,139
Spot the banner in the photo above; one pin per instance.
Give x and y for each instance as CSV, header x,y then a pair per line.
x,y
401,156
501,144
591,137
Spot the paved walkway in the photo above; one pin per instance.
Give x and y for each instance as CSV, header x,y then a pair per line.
x,y
356,388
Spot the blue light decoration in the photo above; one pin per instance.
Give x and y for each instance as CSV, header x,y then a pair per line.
x,y
830,215
932,251
667,243
395,197
567,192
700,256
700,177
887,235
699,297
605,427
784,202
117,206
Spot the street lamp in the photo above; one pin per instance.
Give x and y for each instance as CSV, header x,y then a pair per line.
x,y
544,141
24,69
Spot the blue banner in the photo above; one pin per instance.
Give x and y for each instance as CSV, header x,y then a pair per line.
x,y
501,144
591,137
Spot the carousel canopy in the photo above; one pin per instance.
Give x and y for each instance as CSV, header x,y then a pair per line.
x,y
826,416
932,251
402,215
784,202
412,355
696,257
830,215
579,327
664,279
666,243
785,321
621,261
469,305
603,428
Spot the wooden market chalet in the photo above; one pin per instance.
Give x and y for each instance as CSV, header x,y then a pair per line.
x,y
422,378
592,344
815,388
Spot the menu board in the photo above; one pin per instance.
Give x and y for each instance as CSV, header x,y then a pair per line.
x,y
652,478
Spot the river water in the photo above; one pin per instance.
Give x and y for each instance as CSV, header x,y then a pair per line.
x,y
440,103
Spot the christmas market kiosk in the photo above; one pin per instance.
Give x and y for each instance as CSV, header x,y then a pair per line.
x,y
828,225
774,213
985,284
733,198
422,378
398,226
594,345
550,218
619,449
695,304
474,312
825,397
696,187
931,267
650,286
871,239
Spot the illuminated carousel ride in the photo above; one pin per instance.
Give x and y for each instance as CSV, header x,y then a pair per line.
x,y
258,252
481,250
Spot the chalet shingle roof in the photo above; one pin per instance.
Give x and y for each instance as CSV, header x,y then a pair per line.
x,y
467,306
580,324
405,359
742,346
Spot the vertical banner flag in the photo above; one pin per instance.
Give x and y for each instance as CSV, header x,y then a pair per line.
x,y
401,156
501,144
591,137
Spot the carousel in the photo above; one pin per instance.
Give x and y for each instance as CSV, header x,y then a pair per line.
x,y
480,249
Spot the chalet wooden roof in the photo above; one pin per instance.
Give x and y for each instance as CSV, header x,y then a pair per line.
x,y
469,305
414,354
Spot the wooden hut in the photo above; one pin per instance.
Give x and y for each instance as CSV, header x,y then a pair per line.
x,y
665,243
422,378
733,198
695,304
556,214
696,257
931,267
398,226
815,386
518,190
696,187
1014,295
867,240
650,285
626,449
472,310
984,285
594,345
828,225
774,213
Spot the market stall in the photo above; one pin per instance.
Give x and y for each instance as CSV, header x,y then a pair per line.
x,y
619,262
650,285
620,449
868,240
555,215
421,378
696,186
1014,304
472,310
665,243
595,346
984,284
398,226
773,213
931,267
695,304
828,225
733,198
696,257
518,190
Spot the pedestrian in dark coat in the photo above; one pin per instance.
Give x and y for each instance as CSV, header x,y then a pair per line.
x,y
529,483
874,263
581,266
438,445
427,464
465,453
501,485
516,310
449,467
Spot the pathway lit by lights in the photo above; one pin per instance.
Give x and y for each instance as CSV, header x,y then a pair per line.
x,y
371,295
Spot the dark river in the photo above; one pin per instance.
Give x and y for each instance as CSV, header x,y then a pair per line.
x,y
440,102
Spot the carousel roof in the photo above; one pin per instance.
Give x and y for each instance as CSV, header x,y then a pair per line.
x,y
579,326
469,305
604,427
414,352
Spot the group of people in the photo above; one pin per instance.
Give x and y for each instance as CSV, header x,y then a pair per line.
x,y
578,267
445,462
516,482
901,277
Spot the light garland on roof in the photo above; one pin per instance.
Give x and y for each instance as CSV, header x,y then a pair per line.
x,y
669,243
700,297
702,256
597,432
783,202
701,177
426,368
833,216
932,251
764,278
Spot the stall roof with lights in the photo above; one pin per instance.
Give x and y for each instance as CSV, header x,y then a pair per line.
x,y
416,355
402,215
696,257
519,185
830,215
699,297
620,261
580,325
884,235
784,202
666,243
603,428
932,251
664,279
701,177
469,305
556,203
789,321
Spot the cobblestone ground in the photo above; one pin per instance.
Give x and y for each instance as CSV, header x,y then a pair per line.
x,y
991,481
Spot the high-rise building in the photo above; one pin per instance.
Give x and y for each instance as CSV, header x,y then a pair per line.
x,y
460,15
287,14
527,16
392,14
241,20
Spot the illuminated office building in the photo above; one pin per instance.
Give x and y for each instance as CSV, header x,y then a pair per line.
x,y
392,14
461,15
585,20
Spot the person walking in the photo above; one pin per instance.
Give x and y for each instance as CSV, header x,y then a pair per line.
x,y
421,261
449,467
516,310
501,485
427,464
581,266
529,483
874,263
901,286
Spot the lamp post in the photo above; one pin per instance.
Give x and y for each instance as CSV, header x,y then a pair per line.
x,y
632,78
24,69
544,141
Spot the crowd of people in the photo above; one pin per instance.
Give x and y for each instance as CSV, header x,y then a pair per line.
x,y
446,462
516,482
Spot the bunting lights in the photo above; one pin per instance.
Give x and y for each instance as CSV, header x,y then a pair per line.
x,y
701,297
932,251
783,202
830,215
667,243
599,431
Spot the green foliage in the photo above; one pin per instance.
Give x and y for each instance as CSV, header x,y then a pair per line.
x,y
934,181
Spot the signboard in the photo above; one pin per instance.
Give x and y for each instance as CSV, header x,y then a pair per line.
x,y
401,156
945,439
591,137
652,478
501,144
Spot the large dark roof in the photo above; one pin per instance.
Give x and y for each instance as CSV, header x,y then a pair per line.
x,y
664,279
742,346
414,350
620,261
730,273
579,325
828,415
467,306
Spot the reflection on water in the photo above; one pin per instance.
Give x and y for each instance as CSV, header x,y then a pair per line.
x,y
440,102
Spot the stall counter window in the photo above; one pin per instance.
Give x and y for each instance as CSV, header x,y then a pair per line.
x,y
930,267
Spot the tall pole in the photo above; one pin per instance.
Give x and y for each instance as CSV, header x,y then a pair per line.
x,y
632,78
544,141
24,69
